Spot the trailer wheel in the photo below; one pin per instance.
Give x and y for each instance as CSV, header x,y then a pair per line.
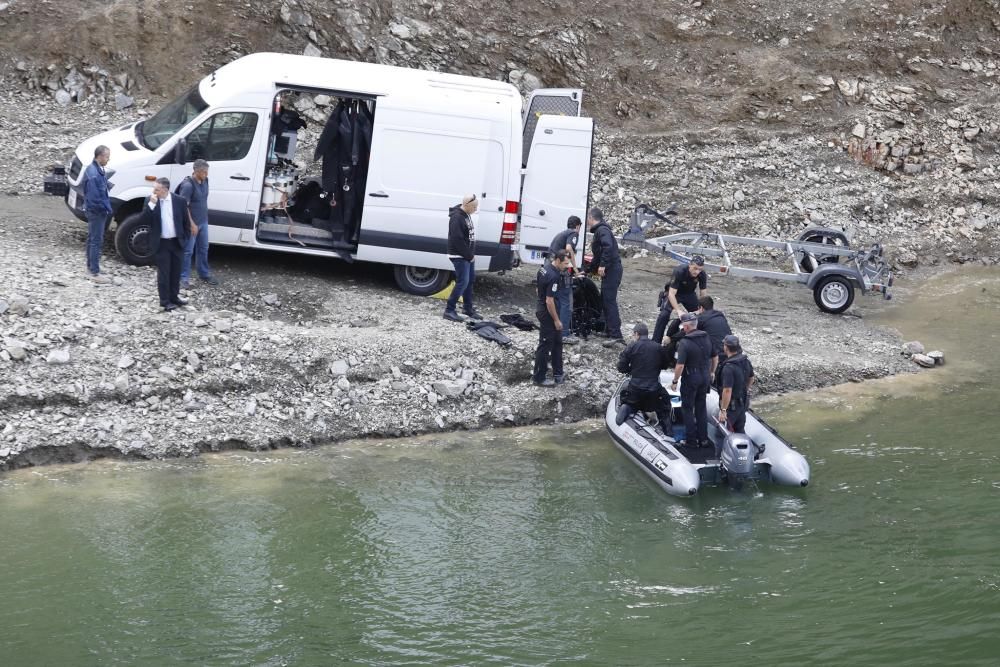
x,y
810,262
834,294
132,240
421,281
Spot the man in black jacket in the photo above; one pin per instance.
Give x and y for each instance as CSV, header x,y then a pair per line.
x,y
169,231
643,360
715,324
694,352
736,378
462,253
608,263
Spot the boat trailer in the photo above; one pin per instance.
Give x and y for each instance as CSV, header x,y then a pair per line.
x,y
821,257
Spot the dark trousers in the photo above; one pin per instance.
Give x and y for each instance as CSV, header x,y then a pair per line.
x,y
663,319
609,299
97,223
655,400
564,304
549,346
465,275
694,389
169,257
736,419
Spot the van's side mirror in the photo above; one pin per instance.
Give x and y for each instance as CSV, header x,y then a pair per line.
x,y
180,151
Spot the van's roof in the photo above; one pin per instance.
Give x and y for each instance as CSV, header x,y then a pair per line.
x,y
259,72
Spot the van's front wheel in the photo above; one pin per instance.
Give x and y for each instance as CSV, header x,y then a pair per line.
x,y
132,240
421,281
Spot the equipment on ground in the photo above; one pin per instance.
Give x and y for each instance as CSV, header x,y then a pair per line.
x,y
821,257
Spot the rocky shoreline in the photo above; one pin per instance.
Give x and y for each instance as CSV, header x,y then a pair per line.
x,y
287,353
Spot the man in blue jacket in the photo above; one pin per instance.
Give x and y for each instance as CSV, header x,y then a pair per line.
x,y
97,205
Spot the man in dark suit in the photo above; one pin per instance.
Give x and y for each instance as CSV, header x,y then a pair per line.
x,y
169,231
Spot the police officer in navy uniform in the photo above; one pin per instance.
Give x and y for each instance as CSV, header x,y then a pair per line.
x,y
736,378
694,353
643,359
687,283
549,325
567,240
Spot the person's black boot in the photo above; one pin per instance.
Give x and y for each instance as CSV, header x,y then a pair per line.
x,y
624,412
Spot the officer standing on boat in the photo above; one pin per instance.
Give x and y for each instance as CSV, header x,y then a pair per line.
x,y
694,353
735,379
714,323
643,359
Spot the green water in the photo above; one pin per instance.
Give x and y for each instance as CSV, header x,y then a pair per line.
x,y
539,546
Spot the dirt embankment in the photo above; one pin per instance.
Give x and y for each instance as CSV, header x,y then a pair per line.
x,y
293,352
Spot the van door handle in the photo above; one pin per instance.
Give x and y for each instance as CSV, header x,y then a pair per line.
x,y
377,194
240,177
542,212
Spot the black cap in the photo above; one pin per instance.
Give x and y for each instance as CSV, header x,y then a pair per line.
x,y
640,329
732,341
698,260
688,317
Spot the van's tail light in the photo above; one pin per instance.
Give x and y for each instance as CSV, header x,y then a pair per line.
x,y
508,234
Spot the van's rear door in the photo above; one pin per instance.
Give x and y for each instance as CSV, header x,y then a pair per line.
x,y
556,182
550,102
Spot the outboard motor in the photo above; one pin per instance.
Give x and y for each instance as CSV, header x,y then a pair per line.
x,y
738,454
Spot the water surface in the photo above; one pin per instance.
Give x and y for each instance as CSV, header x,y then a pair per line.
x,y
539,546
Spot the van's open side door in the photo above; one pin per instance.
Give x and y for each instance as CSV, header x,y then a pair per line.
x,y
556,182
547,101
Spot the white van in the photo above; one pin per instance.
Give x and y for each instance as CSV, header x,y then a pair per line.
x,y
404,146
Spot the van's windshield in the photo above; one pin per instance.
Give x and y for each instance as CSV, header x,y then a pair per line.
x,y
153,132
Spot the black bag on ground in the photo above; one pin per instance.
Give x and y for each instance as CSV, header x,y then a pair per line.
x,y
518,320
588,309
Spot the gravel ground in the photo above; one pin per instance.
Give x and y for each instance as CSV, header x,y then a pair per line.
x,y
290,351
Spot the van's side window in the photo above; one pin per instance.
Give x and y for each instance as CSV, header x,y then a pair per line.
x,y
224,136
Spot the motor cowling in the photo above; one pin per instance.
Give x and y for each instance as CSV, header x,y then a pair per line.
x,y
738,452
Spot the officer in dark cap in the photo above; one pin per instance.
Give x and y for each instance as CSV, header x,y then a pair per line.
x,y
550,327
680,294
643,359
694,354
735,379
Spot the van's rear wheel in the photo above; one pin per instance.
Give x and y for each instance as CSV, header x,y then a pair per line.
x,y
421,281
132,240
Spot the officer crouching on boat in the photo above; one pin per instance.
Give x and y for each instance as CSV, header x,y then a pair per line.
x,y
643,359
735,379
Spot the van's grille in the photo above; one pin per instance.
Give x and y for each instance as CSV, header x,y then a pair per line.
x,y
74,170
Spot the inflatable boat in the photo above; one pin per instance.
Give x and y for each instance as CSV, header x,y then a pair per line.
x,y
732,459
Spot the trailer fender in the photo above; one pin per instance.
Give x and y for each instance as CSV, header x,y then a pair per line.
x,y
825,270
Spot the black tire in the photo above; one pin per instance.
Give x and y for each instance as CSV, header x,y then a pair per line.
x,y
810,262
421,281
132,240
833,294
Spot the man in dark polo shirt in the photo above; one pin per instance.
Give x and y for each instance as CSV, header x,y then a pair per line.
x,y
694,352
736,378
194,189
567,240
549,325
687,283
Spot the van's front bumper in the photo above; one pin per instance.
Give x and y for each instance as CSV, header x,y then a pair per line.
x,y
74,202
